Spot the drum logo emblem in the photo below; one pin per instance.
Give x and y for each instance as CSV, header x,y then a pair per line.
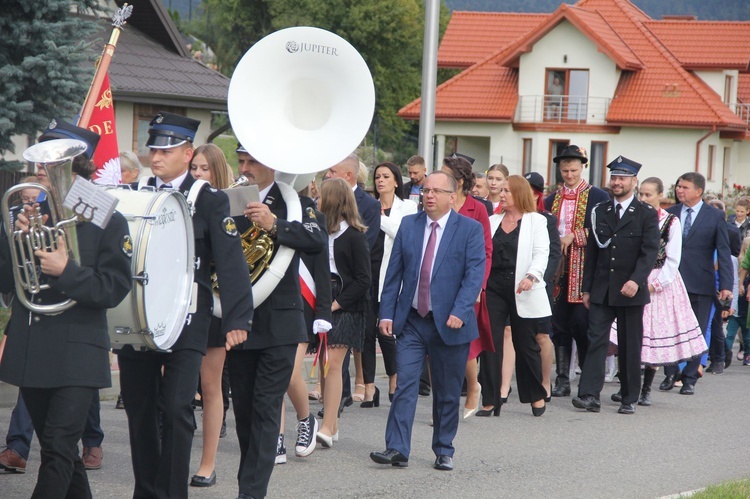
x,y
165,217
127,246
229,226
159,330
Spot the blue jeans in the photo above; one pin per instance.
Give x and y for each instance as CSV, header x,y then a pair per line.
x,y
737,323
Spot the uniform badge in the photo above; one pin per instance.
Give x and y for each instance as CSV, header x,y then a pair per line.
x,y
159,118
229,227
311,213
311,227
127,246
52,124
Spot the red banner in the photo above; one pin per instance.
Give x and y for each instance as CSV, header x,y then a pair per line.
x,y
107,154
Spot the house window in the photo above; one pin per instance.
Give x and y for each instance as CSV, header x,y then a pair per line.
x,y
553,173
598,163
711,161
566,97
728,84
142,116
527,156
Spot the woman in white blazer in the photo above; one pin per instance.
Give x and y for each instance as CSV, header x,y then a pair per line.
x,y
516,286
388,190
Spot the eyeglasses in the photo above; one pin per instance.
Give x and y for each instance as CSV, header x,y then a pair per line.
x,y
429,190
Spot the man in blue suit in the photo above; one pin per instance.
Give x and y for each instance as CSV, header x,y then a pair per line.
x,y
434,277
704,237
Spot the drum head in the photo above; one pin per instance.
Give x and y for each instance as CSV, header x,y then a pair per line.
x,y
168,261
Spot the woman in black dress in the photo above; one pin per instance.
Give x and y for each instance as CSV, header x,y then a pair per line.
x,y
349,258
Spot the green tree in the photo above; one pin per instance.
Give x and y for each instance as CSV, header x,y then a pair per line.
x,y
388,34
45,64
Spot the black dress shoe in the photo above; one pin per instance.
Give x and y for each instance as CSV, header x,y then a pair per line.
x,y
203,481
390,456
687,389
561,390
616,397
588,402
484,413
424,390
626,409
538,411
345,402
444,463
668,383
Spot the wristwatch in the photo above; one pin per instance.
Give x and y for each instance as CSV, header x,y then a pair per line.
x,y
532,278
274,229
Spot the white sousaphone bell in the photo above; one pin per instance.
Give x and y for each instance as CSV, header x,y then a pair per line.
x,y
300,101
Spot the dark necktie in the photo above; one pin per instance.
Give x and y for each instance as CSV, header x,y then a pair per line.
x,y
425,273
688,222
165,186
618,209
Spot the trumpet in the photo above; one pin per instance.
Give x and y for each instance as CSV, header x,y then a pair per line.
x,y
56,157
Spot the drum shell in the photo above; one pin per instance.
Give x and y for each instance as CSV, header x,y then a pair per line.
x,y
163,264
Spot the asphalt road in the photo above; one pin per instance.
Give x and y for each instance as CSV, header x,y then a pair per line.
x,y
681,443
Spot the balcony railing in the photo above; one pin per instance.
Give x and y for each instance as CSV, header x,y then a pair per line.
x,y
743,111
567,109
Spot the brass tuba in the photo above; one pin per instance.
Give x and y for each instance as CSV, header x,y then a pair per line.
x,y
56,157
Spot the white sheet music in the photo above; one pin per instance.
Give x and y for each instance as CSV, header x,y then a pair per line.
x,y
90,203
240,196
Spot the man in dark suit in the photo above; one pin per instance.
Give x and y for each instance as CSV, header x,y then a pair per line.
x,y
261,367
620,253
160,386
369,210
704,238
434,276
60,360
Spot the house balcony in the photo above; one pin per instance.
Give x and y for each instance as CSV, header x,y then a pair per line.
x,y
743,111
561,110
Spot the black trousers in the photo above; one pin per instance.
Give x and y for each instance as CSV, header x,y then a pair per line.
x,y
259,380
387,346
161,460
490,366
59,416
701,305
570,321
501,303
629,342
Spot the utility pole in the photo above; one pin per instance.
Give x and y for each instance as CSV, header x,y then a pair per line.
x,y
429,82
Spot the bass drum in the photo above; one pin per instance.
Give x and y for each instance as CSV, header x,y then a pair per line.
x,y
163,254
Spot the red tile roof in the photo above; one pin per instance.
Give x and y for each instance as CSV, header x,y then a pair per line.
x,y
472,36
654,89
706,44
743,88
591,24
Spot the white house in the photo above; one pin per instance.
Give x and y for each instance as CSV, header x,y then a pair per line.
x,y
673,94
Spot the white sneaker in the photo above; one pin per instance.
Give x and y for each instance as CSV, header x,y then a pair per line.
x,y
307,430
280,451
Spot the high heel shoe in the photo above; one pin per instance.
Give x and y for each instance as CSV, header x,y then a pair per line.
x,y
375,402
504,400
358,397
484,413
390,397
538,411
470,412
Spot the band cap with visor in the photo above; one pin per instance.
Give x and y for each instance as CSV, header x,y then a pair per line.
x,y
169,130
61,129
624,167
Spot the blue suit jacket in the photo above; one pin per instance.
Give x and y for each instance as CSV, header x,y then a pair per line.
x,y
457,275
708,234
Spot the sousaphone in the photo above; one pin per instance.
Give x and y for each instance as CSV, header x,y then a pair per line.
x,y
300,101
